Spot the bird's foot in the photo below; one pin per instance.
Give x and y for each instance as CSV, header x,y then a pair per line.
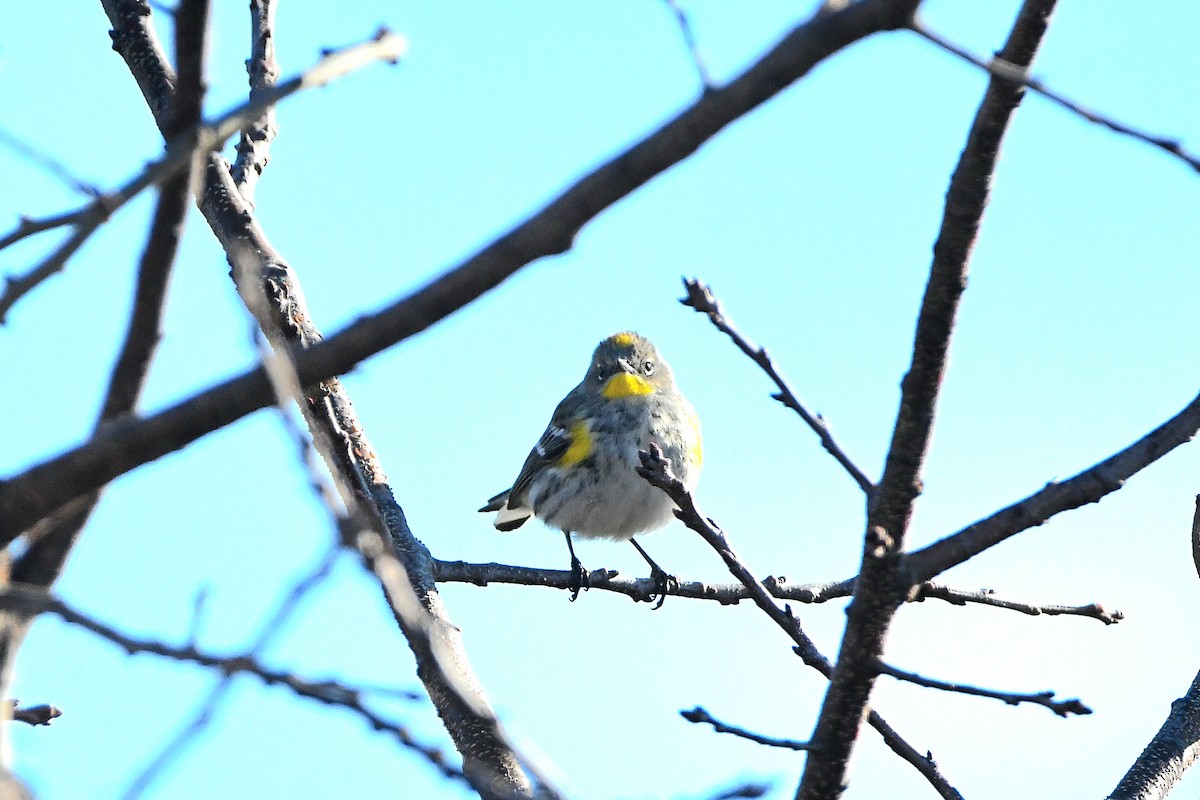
x,y
664,584
579,578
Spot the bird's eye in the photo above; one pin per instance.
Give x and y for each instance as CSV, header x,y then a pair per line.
x,y
647,367
600,374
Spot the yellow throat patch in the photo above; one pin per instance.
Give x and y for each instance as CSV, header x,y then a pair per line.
x,y
623,384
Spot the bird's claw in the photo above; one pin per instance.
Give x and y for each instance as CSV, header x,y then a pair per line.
x,y
579,579
664,584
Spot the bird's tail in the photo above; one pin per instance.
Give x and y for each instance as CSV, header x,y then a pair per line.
x,y
507,519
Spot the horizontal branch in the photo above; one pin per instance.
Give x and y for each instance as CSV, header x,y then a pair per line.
x,y
33,715
1062,708
640,589
384,46
701,717
988,597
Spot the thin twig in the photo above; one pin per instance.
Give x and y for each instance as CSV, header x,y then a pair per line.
x,y
287,606
701,298
1015,74
656,470
254,146
689,39
384,46
46,162
1063,708
988,597
29,601
878,590
699,716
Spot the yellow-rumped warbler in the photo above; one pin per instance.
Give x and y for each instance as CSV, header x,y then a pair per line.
x,y
580,475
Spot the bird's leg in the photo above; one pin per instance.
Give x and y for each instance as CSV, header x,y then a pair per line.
x,y
579,576
663,582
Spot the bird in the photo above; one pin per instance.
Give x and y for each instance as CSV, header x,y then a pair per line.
x,y
580,476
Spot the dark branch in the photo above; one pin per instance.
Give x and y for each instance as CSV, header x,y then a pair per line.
x,y
1018,75
656,470
1062,708
699,716
33,715
878,592
1086,487
640,589
988,597
702,299
1173,749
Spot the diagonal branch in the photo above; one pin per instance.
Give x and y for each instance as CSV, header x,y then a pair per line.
x,y
1062,708
656,470
1172,751
1016,74
700,716
1088,486
877,592
701,298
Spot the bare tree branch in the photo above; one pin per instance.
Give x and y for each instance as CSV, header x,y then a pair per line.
x,y
29,602
1086,487
877,591
46,162
200,720
656,470
1016,74
701,298
640,589
1062,708
699,716
254,146
32,715
988,597
1168,755
181,150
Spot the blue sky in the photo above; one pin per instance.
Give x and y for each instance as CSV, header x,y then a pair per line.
x,y
813,218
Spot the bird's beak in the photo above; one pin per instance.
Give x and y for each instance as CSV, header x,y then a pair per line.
x,y
625,365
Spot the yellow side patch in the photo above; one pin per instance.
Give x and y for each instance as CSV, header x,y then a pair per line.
x,y
696,451
623,339
623,384
581,445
